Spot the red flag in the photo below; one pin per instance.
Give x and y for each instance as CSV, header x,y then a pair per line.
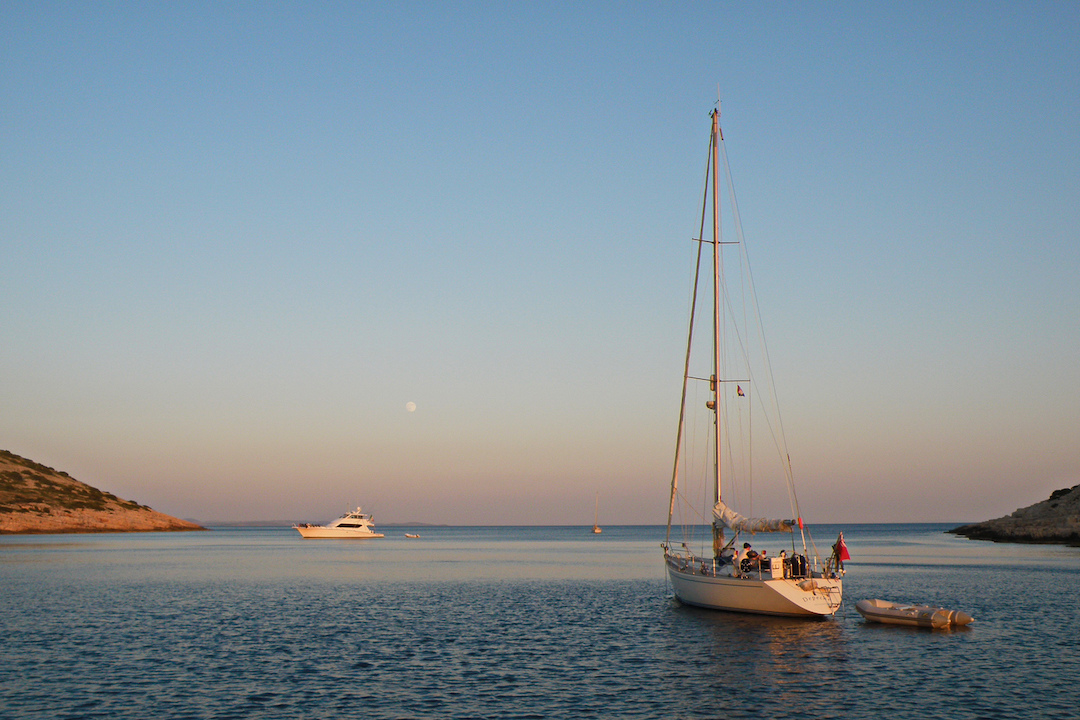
x,y
739,392
841,548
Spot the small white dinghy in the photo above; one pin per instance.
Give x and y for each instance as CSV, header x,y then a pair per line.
x,y
883,611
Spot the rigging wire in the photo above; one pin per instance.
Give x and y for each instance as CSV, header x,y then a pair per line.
x,y
777,430
689,341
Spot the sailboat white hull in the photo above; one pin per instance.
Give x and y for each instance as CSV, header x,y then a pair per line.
x,y
793,597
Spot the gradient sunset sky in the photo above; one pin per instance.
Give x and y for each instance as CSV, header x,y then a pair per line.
x,y
238,238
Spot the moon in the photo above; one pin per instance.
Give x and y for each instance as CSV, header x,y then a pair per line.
x,y
410,406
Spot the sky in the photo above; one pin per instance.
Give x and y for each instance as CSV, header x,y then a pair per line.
x,y
238,238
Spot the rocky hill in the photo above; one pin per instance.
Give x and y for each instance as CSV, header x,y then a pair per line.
x,y
1054,520
37,499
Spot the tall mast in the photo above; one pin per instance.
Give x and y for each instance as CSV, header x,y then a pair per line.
x,y
718,536
716,298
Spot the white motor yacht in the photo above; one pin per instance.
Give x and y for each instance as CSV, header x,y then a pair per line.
x,y
355,524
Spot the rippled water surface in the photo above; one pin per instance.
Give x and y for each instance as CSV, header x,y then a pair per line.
x,y
514,623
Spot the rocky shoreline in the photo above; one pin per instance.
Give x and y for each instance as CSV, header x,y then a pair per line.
x,y
1055,520
35,498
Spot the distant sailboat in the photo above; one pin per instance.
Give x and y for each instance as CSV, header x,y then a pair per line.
x,y
714,438
596,516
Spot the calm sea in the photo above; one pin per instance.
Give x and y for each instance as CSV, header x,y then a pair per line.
x,y
517,622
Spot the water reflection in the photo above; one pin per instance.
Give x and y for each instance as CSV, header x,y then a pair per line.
x,y
769,663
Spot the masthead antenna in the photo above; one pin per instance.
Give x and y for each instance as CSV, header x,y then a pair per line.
x,y
717,111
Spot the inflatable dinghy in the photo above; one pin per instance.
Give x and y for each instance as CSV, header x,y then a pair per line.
x,y
883,611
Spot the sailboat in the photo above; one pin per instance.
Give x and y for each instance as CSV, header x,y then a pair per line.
x,y
596,517
728,404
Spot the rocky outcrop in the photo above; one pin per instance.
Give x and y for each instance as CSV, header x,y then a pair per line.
x,y
37,499
1054,520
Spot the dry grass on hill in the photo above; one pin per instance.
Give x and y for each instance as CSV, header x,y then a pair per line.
x,y
35,498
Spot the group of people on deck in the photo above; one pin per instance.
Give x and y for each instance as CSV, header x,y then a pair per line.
x,y
748,559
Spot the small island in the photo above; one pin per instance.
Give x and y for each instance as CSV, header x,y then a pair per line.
x,y
1055,520
38,499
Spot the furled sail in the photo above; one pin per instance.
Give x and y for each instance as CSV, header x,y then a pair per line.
x,y
731,519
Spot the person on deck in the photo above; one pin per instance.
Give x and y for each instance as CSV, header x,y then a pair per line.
x,y
750,558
